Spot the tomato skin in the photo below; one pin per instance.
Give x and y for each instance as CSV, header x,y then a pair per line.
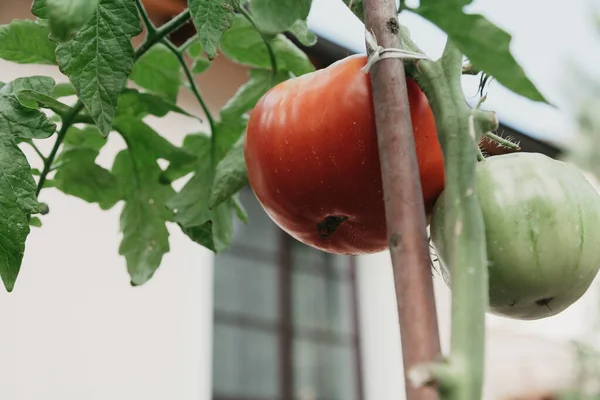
x,y
311,152
542,227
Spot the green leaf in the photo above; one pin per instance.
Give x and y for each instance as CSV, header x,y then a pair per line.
x,y
303,34
36,222
210,228
63,90
159,72
211,18
80,176
26,42
39,9
250,92
197,145
99,59
276,16
135,130
19,120
40,84
227,132
194,48
200,65
231,175
33,99
137,104
144,217
486,45
67,16
244,45
18,202
88,137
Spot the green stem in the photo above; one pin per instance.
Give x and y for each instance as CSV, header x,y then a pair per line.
x,y
66,124
265,39
142,10
500,140
196,91
162,32
459,130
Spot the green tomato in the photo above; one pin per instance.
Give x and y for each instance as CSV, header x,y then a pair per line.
x,y
542,228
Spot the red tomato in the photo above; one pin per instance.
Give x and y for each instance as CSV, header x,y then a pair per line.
x,y
313,161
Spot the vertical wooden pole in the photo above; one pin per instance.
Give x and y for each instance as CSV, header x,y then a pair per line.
x,y
406,221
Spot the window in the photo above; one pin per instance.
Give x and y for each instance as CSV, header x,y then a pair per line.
x,y
285,318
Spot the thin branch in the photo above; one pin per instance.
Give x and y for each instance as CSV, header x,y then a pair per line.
x,y
501,141
147,21
67,122
196,91
265,39
163,32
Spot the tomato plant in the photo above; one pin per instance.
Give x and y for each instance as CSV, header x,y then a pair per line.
x,y
542,227
313,161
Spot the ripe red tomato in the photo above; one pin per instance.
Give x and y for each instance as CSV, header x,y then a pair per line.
x,y
313,161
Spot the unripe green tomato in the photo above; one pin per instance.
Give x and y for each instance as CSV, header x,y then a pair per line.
x,y
542,227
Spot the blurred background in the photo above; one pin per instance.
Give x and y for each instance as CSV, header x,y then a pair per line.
x,y
271,318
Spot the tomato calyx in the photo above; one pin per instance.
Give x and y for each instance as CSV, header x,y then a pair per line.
x,y
329,225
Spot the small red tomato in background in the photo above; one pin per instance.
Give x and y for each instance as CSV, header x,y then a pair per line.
x,y
313,161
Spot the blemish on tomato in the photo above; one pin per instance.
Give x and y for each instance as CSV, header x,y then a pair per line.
x,y
329,225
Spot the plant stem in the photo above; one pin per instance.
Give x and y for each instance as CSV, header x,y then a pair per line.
x,y
196,91
66,124
162,32
404,208
500,140
265,39
459,130
142,10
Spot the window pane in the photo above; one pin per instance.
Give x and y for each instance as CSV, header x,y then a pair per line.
x,y
245,286
323,372
308,259
260,232
321,304
245,362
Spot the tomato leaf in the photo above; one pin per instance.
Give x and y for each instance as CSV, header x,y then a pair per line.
x,y
35,221
144,216
133,129
227,132
63,90
250,92
33,99
39,9
100,57
159,72
276,16
26,42
212,229
302,33
200,65
80,176
137,104
18,202
244,45
88,137
197,145
239,208
230,176
19,120
486,45
211,18
67,16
